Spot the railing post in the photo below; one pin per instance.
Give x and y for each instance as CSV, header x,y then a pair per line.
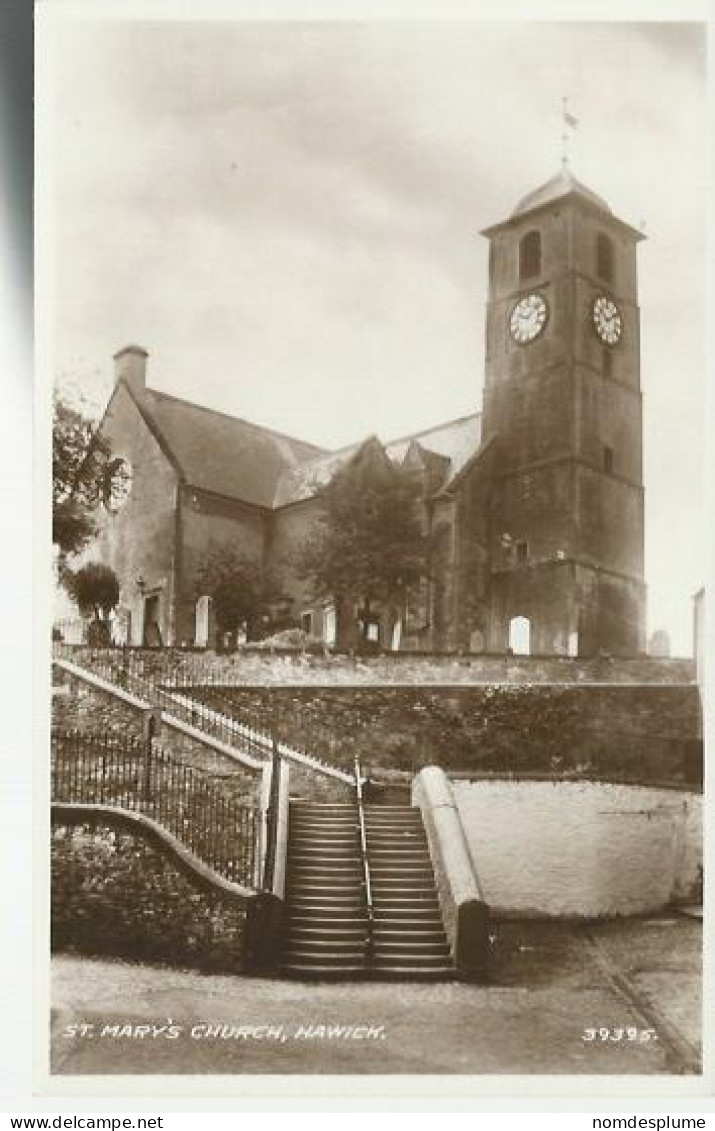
x,y
269,866
150,727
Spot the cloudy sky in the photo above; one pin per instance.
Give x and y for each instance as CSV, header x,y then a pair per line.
x,y
287,215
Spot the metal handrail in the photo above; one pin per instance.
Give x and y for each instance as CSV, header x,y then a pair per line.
x,y
365,863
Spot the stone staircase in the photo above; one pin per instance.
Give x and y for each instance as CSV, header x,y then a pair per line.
x,y
327,924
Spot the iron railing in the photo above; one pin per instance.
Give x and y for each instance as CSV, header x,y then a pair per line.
x,y
251,728
365,864
196,807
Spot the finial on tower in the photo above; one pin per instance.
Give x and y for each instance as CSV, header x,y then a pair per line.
x,y
569,122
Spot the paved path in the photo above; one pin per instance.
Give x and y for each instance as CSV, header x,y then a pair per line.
x,y
549,984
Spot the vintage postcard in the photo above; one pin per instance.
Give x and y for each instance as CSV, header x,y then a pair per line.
x,y
373,361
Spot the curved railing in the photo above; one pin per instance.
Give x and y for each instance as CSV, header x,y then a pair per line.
x,y
200,810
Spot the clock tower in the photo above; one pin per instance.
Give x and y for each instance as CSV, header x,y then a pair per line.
x,y
563,406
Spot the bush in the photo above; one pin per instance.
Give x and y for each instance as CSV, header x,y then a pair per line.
x,y
113,894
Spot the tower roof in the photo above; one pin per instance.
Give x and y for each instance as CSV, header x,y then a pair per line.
x,y
563,184
559,187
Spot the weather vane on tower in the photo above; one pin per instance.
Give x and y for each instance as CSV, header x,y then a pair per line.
x,y
569,122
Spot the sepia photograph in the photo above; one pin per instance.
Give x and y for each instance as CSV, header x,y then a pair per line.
x,y
374,365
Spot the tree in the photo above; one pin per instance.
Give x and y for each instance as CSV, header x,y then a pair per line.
x,y
95,588
369,545
79,476
240,592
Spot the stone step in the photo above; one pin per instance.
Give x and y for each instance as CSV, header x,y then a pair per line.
x,y
407,843
343,828
317,893
397,865
325,947
318,930
405,821
419,948
305,902
391,886
325,867
430,914
409,934
372,809
299,969
321,806
316,909
317,845
414,902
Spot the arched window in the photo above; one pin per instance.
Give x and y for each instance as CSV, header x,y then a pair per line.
x,y
604,258
201,632
530,255
520,636
330,625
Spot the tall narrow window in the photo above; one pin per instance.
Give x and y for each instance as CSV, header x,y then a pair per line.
x,y
607,362
604,258
522,552
608,460
201,630
530,255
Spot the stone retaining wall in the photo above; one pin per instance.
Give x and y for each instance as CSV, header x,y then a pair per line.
x,y
257,666
582,849
647,733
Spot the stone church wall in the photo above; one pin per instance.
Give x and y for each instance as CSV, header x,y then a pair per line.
x,y
289,527
211,523
138,542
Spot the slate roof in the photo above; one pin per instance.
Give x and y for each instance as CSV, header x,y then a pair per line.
x,y
222,453
235,458
455,441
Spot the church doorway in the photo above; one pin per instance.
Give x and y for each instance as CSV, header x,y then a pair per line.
x,y
520,636
151,636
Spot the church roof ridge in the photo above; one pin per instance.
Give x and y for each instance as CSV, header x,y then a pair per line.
x,y
236,419
434,428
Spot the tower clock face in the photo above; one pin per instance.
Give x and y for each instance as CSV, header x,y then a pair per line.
x,y
528,318
607,319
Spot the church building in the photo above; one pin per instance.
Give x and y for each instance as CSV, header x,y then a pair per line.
x,y
534,505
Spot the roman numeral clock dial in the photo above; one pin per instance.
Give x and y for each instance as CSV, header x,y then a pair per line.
x,y
528,318
607,319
